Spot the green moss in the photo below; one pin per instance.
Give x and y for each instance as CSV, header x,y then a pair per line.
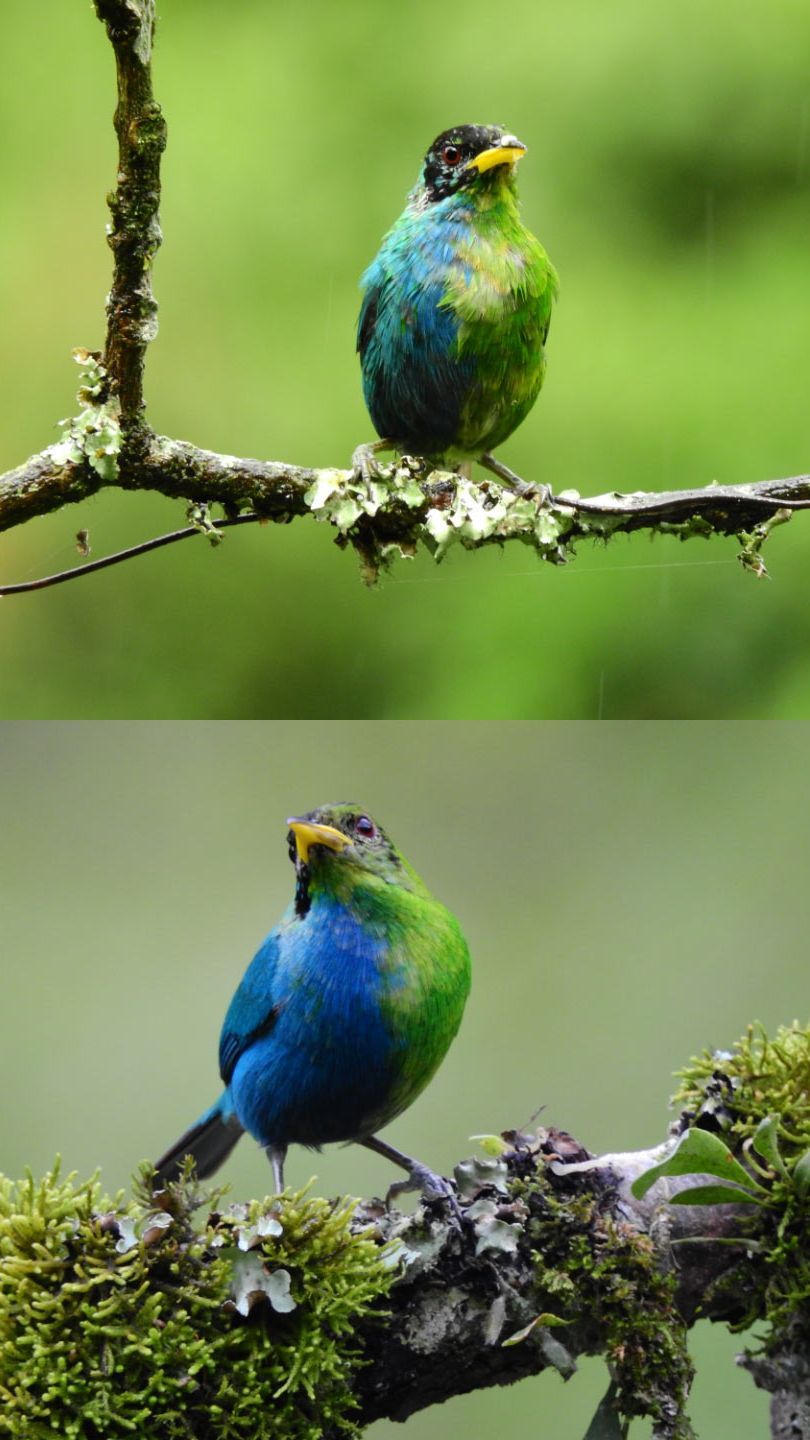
x,y
594,1270
758,1096
119,1320
757,1078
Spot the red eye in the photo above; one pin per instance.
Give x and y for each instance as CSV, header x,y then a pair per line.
x,y
365,827
450,155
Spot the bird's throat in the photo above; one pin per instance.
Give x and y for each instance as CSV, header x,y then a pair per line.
x,y
303,899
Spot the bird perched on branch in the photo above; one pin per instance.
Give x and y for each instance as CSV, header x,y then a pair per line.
x,y
456,308
345,1012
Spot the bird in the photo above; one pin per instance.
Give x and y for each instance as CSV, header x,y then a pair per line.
x,y
456,310
345,1012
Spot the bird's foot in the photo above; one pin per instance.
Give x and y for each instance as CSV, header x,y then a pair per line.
x,y
524,488
433,1189
365,463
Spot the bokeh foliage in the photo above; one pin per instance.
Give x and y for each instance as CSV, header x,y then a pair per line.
x,y
669,177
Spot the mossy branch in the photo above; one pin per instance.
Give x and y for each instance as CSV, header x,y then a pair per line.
x,y
109,442
174,1315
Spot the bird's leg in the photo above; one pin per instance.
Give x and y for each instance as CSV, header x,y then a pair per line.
x,y
543,492
277,1154
431,1185
364,459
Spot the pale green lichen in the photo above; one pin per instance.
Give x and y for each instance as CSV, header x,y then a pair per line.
x,y
750,557
341,497
478,513
119,1320
464,513
198,514
94,433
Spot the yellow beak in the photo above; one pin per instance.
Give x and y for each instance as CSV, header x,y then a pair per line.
x,y
498,155
306,835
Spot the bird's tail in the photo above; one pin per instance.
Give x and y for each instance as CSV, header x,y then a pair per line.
x,y
210,1141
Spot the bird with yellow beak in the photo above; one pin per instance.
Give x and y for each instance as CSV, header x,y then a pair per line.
x,y
345,1012
456,309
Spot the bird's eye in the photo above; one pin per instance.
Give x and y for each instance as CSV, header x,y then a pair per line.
x,y
451,154
365,827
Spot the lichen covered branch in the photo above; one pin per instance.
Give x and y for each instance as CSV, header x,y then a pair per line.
x,y
134,234
407,507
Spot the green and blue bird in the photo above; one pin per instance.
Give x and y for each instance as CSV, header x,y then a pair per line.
x,y
456,308
345,1012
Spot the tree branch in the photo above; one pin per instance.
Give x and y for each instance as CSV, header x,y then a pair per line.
x,y
408,507
292,1316
109,443
450,1320
134,235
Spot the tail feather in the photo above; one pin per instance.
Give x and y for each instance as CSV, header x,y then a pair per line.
x,y
210,1141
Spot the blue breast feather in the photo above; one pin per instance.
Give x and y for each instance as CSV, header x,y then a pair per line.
x,y
321,1067
414,381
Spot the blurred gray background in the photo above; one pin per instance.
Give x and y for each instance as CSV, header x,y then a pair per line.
x,y
668,175
630,893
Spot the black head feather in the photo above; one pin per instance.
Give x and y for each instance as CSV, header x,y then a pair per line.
x,y
447,163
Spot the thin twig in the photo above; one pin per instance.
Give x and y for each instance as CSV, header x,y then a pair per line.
x,y
77,571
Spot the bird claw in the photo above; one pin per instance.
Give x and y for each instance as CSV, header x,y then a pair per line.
x,y
365,464
527,490
433,1189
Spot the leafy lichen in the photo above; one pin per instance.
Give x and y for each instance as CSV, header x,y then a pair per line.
x,y
94,433
118,1319
454,510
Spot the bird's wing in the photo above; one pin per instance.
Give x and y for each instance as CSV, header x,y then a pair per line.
x,y
368,318
253,1009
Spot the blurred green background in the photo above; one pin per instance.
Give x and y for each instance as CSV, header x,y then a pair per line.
x,y
669,177
631,893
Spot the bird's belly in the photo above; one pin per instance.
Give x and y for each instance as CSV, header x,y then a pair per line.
x,y
289,1090
460,393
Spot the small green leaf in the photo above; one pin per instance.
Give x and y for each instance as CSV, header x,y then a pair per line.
x,y
698,1152
545,1319
766,1143
715,1195
491,1144
801,1174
